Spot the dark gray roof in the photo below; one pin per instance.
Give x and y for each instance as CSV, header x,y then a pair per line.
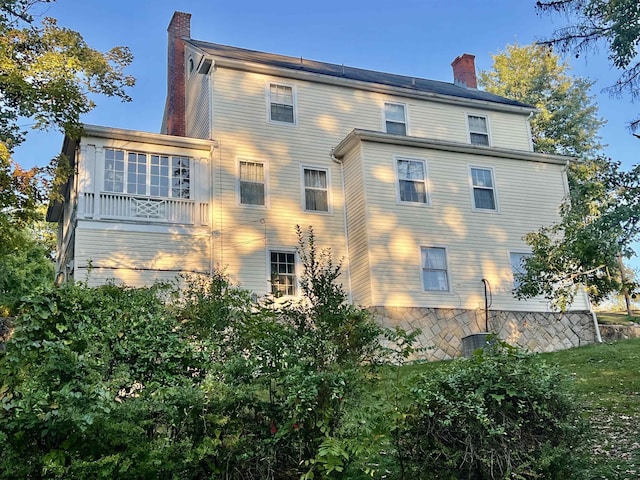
x,y
343,71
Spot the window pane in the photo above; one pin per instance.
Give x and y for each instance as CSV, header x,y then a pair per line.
x,y
396,128
410,170
316,200
412,191
477,124
483,198
394,112
481,177
251,193
434,269
316,190
114,170
479,139
282,273
282,113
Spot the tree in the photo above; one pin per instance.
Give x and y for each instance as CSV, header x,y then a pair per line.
x,y
614,23
600,222
567,122
48,75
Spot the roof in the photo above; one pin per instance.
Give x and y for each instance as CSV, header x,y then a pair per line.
x,y
421,85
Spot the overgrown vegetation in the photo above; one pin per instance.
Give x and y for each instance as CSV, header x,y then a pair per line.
x,y
114,382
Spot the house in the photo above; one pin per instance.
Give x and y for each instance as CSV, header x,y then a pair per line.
x,y
424,187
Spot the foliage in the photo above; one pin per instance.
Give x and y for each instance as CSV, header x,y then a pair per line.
x,y
25,264
50,72
614,23
100,383
598,224
110,382
501,414
567,122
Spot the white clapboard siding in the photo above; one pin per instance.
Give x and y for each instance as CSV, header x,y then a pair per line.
x,y
137,257
197,108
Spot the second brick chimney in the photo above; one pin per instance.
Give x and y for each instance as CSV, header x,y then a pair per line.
x,y
464,71
179,27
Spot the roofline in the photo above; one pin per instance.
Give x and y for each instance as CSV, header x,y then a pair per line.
x,y
147,137
357,135
359,84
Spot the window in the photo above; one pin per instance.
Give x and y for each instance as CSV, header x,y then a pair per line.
x,y
484,197
434,269
283,276
412,180
518,266
478,130
281,104
251,183
316,190
144,174
394,118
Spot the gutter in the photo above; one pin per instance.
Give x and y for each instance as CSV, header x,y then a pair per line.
x,y
359,135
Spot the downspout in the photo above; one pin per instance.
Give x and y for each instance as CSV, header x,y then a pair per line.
x,y
344,219
211,215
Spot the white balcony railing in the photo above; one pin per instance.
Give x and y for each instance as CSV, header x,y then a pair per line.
x,y
136,207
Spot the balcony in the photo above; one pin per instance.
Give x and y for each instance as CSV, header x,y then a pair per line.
x,y
118,206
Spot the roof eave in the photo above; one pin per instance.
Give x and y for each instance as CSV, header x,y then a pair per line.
x,y
357,135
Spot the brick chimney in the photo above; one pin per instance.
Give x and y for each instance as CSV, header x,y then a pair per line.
x,y
179,27
464,71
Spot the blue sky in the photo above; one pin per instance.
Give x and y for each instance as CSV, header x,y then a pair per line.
x,y
415,37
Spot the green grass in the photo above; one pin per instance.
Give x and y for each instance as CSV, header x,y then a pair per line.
x,y
618,318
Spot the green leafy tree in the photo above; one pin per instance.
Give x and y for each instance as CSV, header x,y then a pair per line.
x,y
567,122
614,24
49,76
600,223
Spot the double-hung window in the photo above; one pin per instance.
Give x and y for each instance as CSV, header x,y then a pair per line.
x,y
281,104
252,183
435,275
395,118
518,267
316,189
478,130
412,180
283,273
483,186
146,174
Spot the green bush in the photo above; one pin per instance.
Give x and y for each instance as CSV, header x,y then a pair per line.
x,y
502,414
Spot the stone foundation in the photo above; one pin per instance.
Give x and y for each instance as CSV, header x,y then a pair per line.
x,y
443,329
613,333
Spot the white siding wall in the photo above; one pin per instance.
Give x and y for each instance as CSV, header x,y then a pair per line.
x,y
197,109
130,255
325,114
357,228
478,243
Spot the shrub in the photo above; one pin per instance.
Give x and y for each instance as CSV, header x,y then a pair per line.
x,y
501,414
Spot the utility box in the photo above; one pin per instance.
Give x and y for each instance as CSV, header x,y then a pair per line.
x,y
473,342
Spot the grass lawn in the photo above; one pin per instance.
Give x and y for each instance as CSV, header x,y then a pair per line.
x,y
618,318
606,378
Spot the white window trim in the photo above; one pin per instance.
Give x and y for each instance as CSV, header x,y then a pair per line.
x,y
446,258
496,199
427,183
303,190
297,269
266,183
295,103
406,116
486,117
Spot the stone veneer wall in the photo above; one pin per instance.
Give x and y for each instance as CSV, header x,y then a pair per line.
x,y
443,329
